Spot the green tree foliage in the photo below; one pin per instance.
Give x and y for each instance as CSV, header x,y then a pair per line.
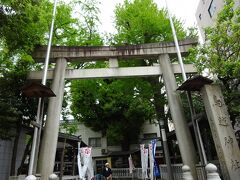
x,y
80,29
117,108
69,125
220,55
140,21
24,25
15,109
84,33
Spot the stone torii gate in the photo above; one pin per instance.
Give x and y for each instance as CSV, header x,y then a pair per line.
x,y
160,51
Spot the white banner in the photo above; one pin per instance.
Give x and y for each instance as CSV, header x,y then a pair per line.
x,y
85,165
131,165
142,156
151,160
144,160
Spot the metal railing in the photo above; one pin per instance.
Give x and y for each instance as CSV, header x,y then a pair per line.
x,y
123,173
201,173
176,170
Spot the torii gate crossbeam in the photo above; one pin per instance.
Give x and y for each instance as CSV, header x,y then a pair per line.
x,y
113,72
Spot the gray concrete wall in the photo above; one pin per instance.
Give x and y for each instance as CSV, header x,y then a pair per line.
x,y
5,158
6,148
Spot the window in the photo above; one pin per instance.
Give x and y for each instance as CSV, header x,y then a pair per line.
x,y
94,142
212,8
150,136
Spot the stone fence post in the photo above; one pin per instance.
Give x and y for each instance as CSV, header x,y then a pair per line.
x,y
187,173
53,177
212,173
31,177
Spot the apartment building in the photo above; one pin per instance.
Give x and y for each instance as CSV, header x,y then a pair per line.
x,y
206,13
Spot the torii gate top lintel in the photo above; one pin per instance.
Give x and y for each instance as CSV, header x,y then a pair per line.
x,y
85,53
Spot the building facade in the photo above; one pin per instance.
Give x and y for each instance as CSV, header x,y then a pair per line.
x,y
103,152
207,12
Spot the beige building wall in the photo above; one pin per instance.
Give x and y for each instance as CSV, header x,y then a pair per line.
x,y
206,13
100,153
87,133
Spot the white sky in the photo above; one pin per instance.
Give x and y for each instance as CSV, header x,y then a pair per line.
x,y
183,9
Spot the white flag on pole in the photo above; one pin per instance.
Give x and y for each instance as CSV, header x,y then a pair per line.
x,y
142,156
85,165
131,165
151,160
79,162
144,160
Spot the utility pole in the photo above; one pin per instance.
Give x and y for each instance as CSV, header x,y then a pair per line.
x,y
37,132
195,127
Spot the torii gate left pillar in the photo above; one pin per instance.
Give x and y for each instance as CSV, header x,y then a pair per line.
x,y
50,136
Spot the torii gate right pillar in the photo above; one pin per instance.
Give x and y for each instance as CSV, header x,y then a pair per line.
x,y
184,138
